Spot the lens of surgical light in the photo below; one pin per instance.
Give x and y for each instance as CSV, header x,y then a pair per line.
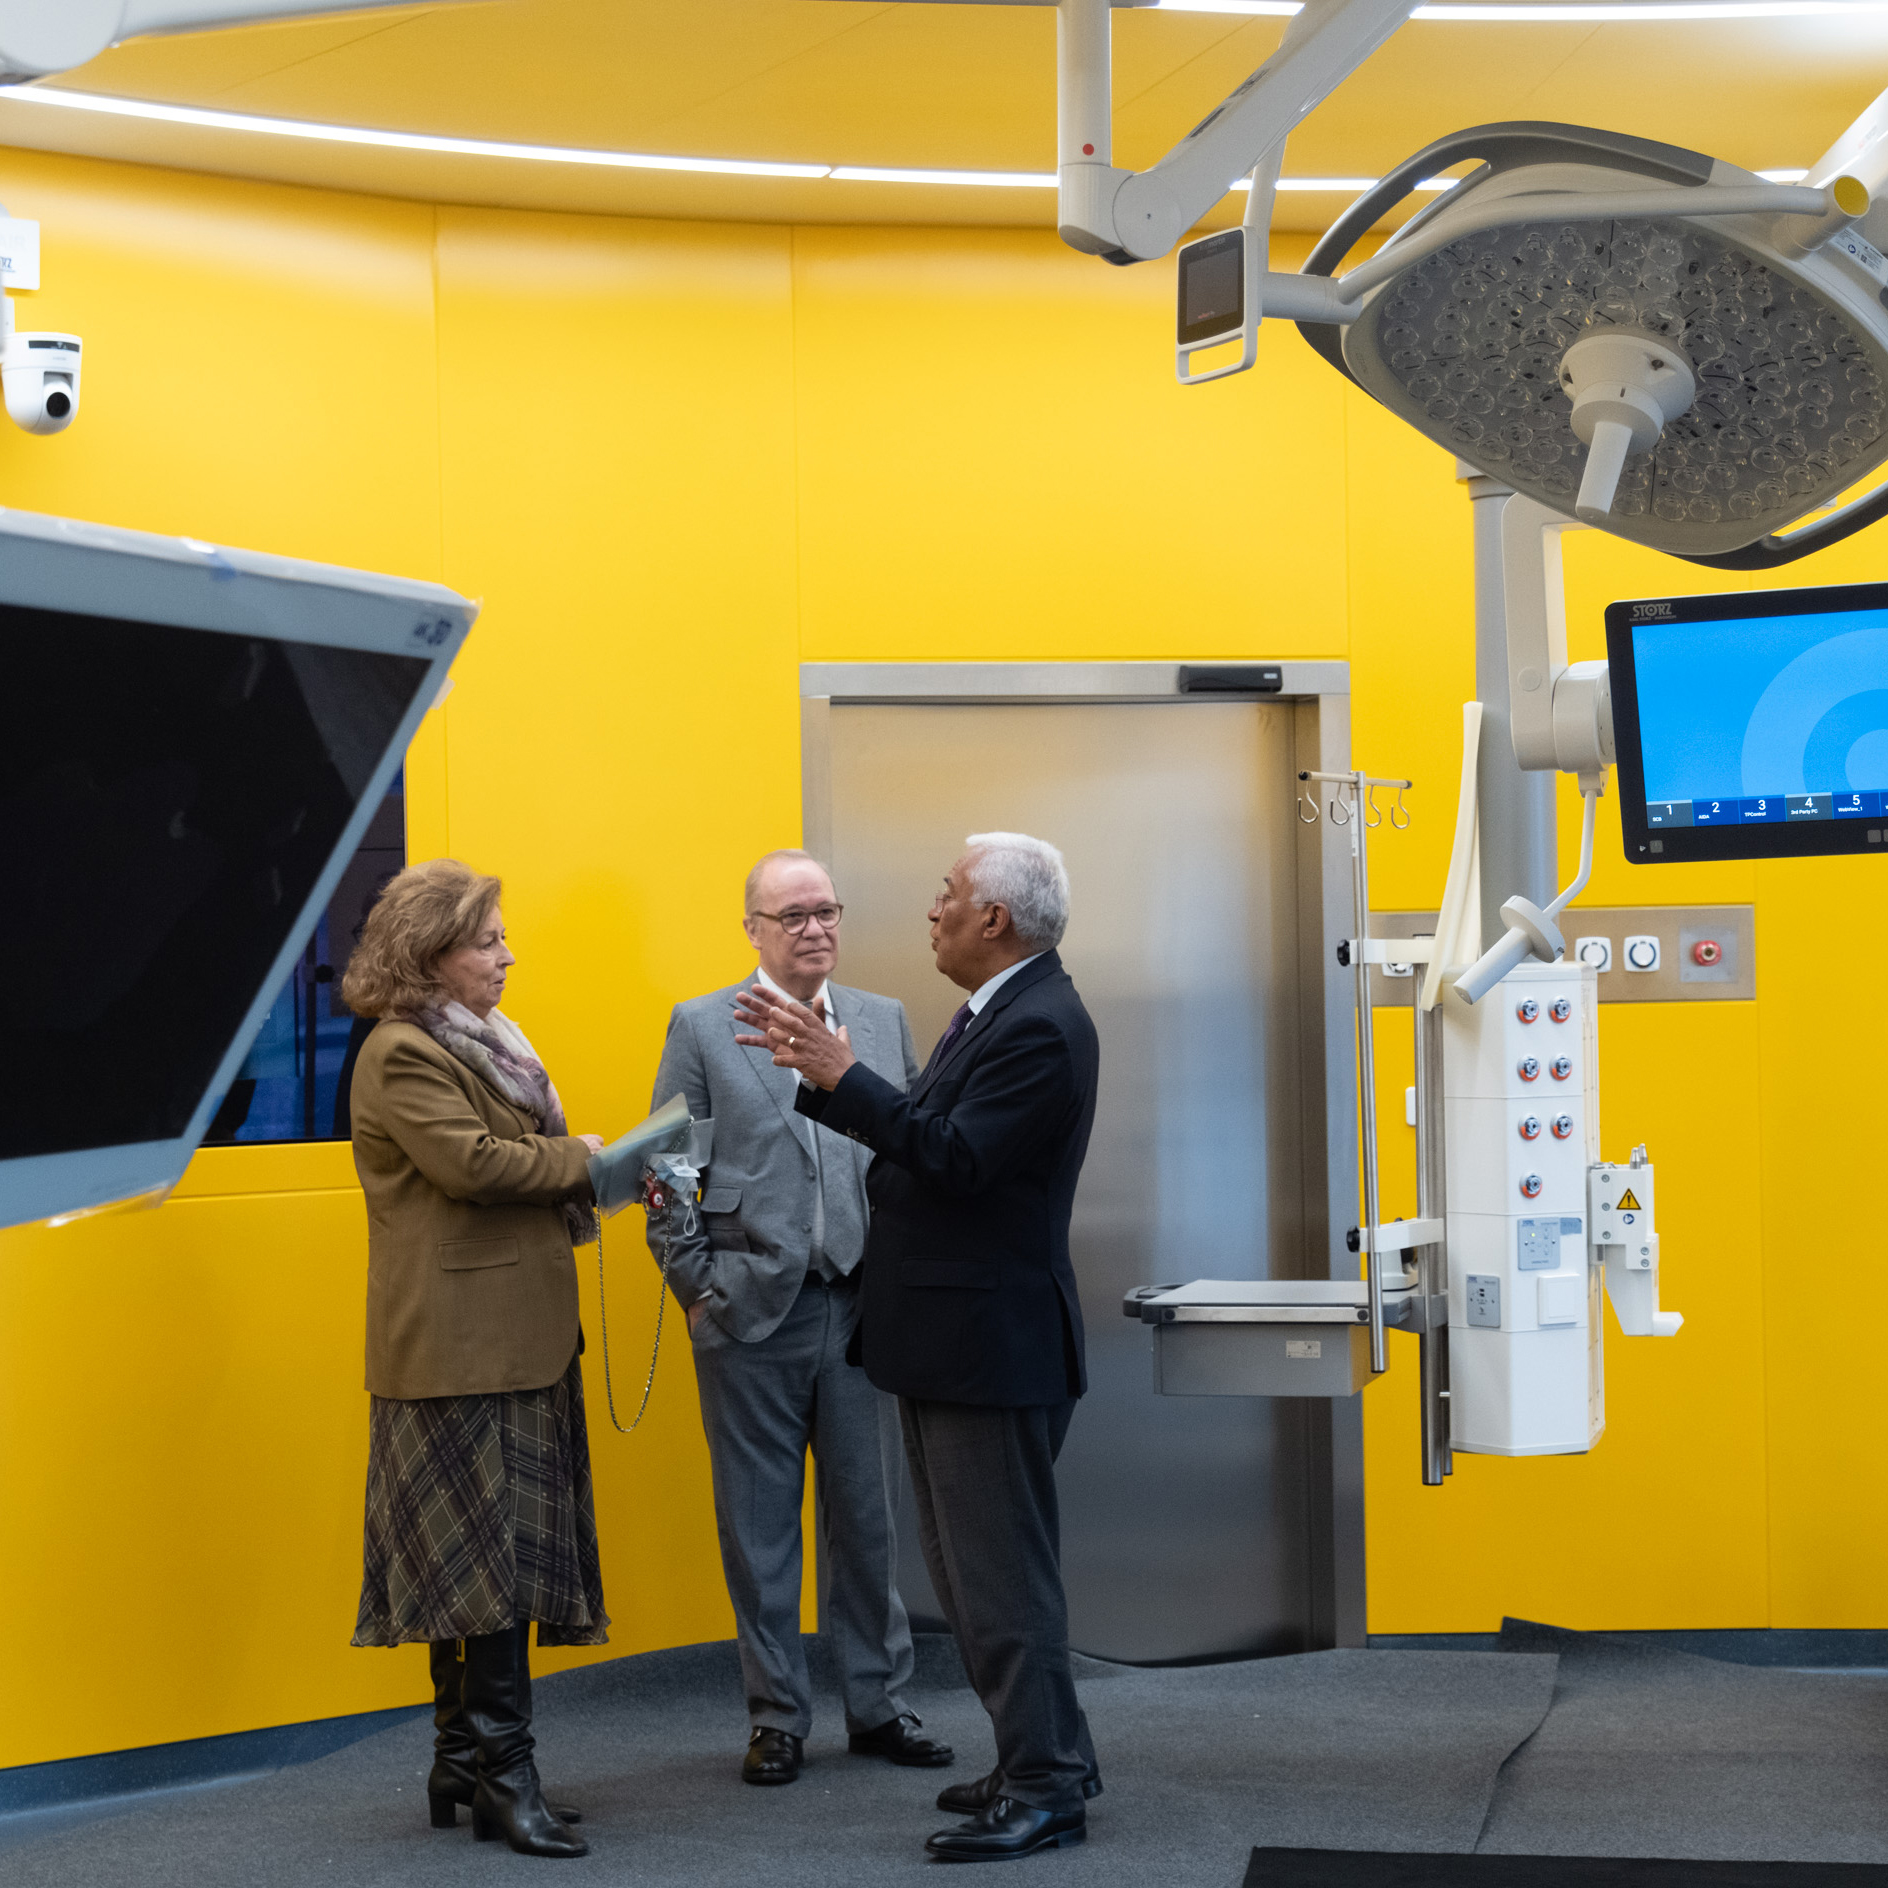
x,y
1790,405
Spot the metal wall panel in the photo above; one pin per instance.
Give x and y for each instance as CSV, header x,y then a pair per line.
x,y
1193,1527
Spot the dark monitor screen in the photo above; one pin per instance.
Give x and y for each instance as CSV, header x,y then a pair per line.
x,y
1212,287
1753,726
169,798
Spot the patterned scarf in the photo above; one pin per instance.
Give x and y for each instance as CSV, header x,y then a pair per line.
x,y
498,1052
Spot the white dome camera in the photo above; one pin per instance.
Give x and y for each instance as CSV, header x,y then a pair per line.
x,y
41,376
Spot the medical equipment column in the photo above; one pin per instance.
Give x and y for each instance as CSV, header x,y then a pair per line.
x,y
1516,809
1432,1261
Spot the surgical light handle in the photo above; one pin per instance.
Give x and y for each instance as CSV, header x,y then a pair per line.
x,y
1531,932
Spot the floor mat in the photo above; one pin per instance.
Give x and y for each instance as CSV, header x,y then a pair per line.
x,y
1337,1868
1648,1752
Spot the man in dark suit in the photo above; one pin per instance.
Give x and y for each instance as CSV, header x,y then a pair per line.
x,y
969,1312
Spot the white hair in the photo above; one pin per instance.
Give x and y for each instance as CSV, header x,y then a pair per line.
x,y
1028,876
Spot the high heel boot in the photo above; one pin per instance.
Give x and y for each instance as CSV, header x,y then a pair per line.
x,y
508,1800
455,1755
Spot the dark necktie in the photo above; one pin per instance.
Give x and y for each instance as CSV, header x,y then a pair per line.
x,y
958,1024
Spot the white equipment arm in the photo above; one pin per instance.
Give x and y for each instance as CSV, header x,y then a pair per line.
x,y
1559,714
42,37
1132,216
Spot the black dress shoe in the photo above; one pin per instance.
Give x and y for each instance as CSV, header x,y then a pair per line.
x,y
772,1756
1007,1830
903,1741
967,1799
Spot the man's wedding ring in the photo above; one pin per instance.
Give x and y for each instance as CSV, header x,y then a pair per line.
x,y
793,1042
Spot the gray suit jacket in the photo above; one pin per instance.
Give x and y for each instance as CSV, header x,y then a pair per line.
x,y
752,1241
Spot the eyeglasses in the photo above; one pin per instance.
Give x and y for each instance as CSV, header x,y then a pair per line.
x,y
794,923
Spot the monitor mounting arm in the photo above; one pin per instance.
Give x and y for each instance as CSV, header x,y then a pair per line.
x,y
1133,216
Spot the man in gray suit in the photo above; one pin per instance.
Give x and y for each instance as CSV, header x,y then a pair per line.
x,y
769,1280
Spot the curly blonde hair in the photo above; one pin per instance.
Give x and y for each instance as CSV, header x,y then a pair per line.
x,y
426,912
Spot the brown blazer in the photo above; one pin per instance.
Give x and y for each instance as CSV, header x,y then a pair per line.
x,y
470,1280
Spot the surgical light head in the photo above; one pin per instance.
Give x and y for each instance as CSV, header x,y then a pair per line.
x,y
1701,392
1695,383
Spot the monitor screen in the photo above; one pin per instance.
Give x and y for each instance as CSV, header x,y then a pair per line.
x,y
159,837
194,742
1753,726
1212,287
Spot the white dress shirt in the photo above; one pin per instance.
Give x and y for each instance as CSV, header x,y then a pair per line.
x,y
985,991
823,999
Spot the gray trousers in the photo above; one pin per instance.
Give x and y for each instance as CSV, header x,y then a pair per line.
x,y
762,1405
991,1532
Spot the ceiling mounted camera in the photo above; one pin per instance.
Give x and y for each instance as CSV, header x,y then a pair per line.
x,y
41,376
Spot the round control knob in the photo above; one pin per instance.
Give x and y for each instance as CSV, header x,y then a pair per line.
x,y
1595,953
1527,1009
1529,1068
1707,951
1530,1186
1560,1009
1642,953
1530,1127
1563,1126
1560,1067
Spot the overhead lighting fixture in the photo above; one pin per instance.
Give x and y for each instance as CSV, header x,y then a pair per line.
x,y
203,120
1001,179
1695,382
396,140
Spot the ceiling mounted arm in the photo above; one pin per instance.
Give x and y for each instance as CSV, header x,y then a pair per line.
x,y
1132,216
39,38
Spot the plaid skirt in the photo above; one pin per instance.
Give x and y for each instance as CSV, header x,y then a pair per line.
x,y
480,1513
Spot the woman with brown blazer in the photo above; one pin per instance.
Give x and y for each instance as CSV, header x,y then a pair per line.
x,y
480,1517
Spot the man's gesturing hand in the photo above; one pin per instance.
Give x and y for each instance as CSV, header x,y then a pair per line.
x,y
796,1036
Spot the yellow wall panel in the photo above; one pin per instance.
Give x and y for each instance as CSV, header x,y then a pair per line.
x,y
674,460
623,739
996,463
182,1443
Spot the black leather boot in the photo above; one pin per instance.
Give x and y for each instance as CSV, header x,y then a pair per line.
x,y
507,1799
455,1755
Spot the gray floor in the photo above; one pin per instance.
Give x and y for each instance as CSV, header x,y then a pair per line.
x,y
1558,1743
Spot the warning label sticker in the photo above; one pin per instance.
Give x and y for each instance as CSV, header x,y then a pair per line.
x,y
1629,1201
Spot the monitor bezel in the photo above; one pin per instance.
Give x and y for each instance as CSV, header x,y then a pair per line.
x,y
1680,845
66,565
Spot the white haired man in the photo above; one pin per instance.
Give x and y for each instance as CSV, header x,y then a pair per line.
x,y
970,1314
770,1281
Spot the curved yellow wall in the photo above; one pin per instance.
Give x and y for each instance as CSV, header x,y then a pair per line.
x,y
675,460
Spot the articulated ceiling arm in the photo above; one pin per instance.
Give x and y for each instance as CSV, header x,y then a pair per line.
x,y
41,37
1131,216
1560,715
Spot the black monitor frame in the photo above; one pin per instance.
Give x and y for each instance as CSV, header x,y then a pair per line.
x,y
1676,845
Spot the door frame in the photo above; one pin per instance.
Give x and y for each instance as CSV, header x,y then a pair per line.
x,y
1318,693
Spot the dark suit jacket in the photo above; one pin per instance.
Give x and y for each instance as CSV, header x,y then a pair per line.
x,y
968,1293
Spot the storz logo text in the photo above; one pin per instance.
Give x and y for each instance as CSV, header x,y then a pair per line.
x,y
1651,609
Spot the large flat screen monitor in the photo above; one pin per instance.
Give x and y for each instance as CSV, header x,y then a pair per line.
x,y
1752,726
192,742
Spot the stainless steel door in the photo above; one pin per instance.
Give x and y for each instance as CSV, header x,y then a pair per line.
x,y
1192,1527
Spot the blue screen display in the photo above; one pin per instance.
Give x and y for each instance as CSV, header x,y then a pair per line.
x,y
1764,720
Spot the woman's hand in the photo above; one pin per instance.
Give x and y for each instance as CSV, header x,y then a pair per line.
x,y
798,1038
592,1141
696,1312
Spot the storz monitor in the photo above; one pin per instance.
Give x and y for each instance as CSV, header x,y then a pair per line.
x,y
192,741
1751,726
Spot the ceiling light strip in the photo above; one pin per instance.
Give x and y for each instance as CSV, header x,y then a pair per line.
x,y
622,160
396,140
